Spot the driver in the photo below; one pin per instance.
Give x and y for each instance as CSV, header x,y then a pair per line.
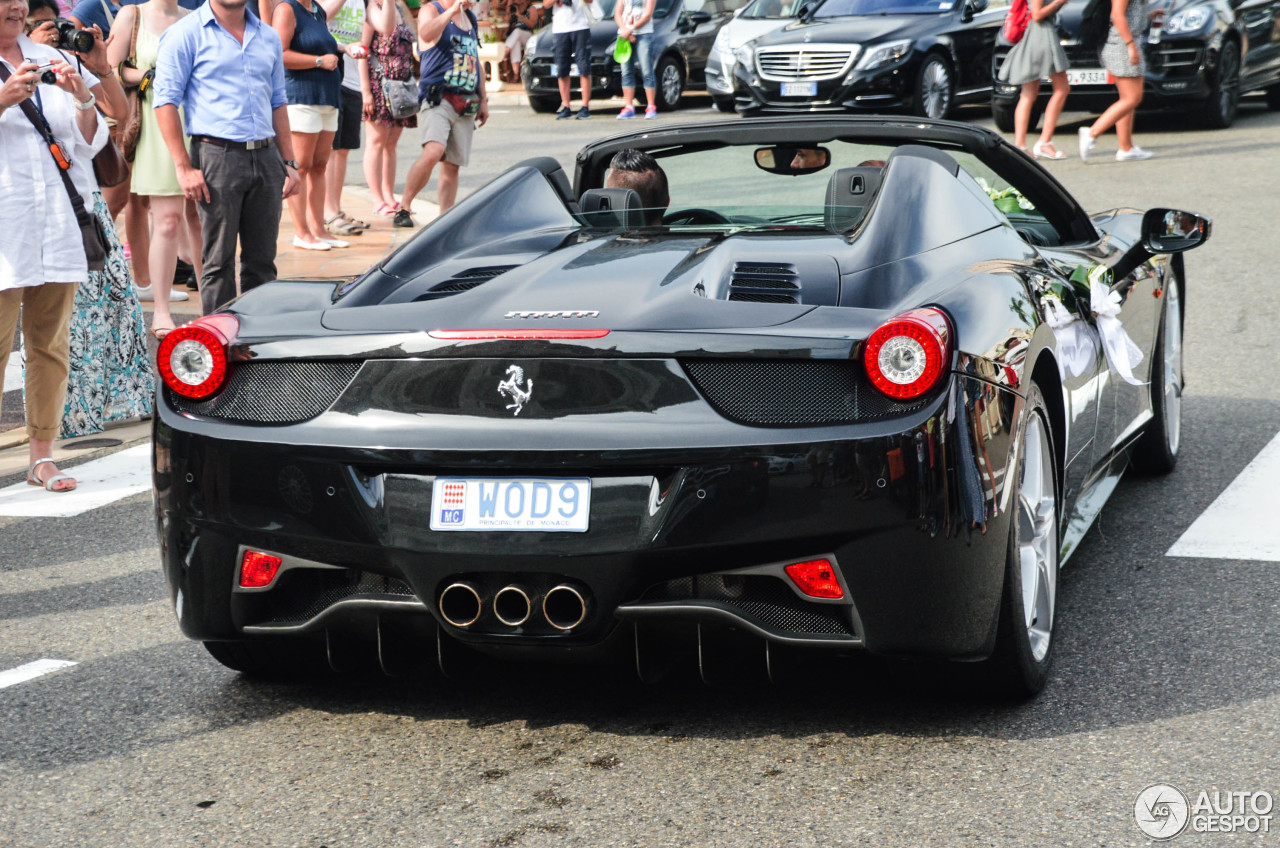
x,y
808,157
637,170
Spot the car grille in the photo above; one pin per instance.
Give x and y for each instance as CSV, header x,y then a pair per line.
x,y
765,600
304,593
1177,58
786,64
275,392
464,281
764,282
791,393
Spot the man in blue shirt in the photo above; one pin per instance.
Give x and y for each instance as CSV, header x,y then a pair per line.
x,y
225,68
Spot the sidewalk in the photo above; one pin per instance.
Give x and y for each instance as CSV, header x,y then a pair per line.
x,y
291,263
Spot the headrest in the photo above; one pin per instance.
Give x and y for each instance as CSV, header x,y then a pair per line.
x,y
849,193
612,208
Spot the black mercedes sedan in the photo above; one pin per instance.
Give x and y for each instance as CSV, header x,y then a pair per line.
x,y
683,30
854,384
1201,57
922,56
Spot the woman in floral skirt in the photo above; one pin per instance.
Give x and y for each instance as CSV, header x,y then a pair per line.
x,y
389,40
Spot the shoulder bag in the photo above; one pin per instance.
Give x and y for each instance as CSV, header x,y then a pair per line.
x,y
1016,21
133,126
91,231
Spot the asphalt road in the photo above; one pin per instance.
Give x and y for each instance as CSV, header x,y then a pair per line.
x,y
1166,668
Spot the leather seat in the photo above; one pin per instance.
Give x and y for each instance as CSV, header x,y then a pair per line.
x,y
849,193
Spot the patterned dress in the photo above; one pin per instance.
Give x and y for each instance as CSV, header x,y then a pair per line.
x,y
1114,55
111,377
394,60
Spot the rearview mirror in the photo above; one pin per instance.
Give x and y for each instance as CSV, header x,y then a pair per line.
x,y
792,161
1173,231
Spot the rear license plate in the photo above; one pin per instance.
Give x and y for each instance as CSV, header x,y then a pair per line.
x,y
799,89
1088,76
510,504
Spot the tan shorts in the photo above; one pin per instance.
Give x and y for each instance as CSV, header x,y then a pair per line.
x,y
312,119
443,125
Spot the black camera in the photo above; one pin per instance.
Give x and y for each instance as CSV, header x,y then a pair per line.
x,y
44,73
70,38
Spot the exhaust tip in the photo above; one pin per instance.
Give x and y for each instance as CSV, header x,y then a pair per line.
x,y
564,607
460,604
512,606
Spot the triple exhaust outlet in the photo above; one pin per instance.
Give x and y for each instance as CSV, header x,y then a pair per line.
x,y
564,607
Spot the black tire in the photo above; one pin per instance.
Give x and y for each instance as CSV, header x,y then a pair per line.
x,y
724,104
1157,450
543,105
1019,666
1273,98
670,77
1219,111
935,88
1003,113
272,659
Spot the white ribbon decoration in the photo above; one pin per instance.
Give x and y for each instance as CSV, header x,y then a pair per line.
x,y
1075,340
1122,354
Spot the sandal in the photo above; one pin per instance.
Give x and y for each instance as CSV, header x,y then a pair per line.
x,y
355,222
48,485
338,226
386,210
160,332
1047,151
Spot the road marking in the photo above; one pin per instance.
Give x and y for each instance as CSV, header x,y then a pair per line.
x,y
1241,523
13,373
100,482
31,671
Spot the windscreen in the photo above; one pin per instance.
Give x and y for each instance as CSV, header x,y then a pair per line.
x,y
843,8
769,9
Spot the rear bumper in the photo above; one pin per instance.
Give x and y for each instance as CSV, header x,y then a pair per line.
x,y
911,513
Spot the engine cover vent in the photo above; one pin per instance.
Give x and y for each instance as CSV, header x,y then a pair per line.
x,y
464,281
764,282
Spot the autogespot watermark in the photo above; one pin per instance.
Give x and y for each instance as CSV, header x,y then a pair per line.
x,y
1163,811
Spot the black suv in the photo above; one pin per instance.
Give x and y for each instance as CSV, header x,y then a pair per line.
x,y
683,32
1203,57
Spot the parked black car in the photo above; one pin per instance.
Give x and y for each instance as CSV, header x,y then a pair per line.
x,y
1203,57
683,30
924,56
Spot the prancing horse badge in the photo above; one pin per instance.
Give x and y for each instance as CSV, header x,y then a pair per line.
x,y
510,388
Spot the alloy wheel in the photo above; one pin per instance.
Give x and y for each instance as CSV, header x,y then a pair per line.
x,y
935,88
670,83
1173,369
1037,537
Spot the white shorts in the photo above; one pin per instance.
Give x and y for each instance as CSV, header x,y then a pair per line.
x,y
312,119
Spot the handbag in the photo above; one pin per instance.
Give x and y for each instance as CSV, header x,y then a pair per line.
x,y
109,166
1016,21
91,231
132,129
401,97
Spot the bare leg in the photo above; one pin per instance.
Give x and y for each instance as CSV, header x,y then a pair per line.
x,y
1022,112
315,179
447,186
1130,91
304,148
585,82
420,171
651,95
194,240
168,220
375,150
137,228
389,163
1053,110
335,174
563,82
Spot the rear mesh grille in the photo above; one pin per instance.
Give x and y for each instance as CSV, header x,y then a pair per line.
x,y
764,282
464,281
791,393
764,600
276,392
304,593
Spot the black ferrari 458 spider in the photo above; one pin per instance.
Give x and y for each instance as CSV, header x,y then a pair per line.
x,y
861,386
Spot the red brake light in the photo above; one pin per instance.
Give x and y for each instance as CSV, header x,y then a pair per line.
x,y
907,355
193,358
816,578
518,334
258,569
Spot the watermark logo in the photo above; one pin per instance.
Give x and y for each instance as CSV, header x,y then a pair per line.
x,y
1161,811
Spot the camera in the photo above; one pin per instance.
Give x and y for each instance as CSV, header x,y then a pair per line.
x,y
70,38
44,72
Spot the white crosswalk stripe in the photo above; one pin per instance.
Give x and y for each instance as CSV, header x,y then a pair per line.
x,y
99,483
30,671
1241,523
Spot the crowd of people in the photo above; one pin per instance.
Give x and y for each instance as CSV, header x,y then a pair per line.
x,y
228,112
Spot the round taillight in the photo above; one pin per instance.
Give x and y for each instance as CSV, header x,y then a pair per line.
x,y
907,355
193,358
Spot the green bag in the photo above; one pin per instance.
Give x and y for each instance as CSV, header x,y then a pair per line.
x,y
621,51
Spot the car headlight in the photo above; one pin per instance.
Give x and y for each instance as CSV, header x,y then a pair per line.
x,y
722,40
744,56
532,46
1188,20
884,54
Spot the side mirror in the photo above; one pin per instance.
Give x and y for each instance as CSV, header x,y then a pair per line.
x,y
792,161
699,17
1173,231
971,8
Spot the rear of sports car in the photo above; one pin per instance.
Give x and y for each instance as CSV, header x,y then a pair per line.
x,y
569,488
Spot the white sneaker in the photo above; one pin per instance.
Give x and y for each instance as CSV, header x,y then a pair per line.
x,y
146,295
333,242
1133,154
309,245
1086,144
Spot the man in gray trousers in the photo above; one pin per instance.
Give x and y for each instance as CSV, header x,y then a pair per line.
x,y
225,68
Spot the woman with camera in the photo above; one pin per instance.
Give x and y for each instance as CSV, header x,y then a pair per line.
x,y
110,376
42,255
155,177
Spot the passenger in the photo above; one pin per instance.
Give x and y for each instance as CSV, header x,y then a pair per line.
x,y
637,170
